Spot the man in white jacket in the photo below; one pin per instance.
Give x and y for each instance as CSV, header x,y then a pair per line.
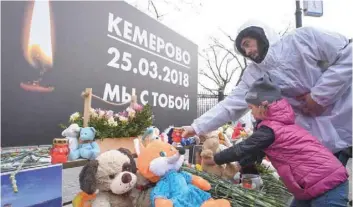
x,y
321,96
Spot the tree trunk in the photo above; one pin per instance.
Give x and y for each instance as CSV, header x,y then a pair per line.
x,y
220,94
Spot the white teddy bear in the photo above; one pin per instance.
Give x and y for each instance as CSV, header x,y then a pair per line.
x,y
71,133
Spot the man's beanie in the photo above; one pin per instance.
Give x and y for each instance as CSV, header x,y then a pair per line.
x,y
256,33
263,90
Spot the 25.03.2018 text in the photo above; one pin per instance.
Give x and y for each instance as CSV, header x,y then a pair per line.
x,y
146,68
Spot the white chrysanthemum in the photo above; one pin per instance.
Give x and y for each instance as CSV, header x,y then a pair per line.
x,y
93,113
123,118
112,122
101,113
131,112
74,116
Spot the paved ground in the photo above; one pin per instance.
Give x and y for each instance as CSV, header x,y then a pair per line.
x,y
71,185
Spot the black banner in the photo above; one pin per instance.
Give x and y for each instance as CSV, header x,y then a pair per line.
x,y
52,51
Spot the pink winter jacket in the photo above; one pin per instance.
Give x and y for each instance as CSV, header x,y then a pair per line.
x,y
307,168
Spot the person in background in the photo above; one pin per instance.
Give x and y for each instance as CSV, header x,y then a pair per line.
x,y
308,169
320,94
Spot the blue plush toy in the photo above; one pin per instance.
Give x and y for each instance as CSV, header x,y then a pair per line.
x,y
150,134
188,141
87,148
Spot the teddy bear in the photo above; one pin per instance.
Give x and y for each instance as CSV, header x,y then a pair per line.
x,y
224,142
108,180
160,163
209,148
87,148
71,133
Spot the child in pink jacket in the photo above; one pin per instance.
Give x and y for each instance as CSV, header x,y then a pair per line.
x,y
308,169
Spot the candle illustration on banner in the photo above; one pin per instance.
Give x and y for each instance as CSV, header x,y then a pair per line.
x,y
38,43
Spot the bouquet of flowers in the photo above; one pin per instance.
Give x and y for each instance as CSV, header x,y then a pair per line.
x,y
131,122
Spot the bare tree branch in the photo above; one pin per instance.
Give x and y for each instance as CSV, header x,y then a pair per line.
x,y
216,64
227,74
231,53
229,37
232,73
245,62
213,91
158,16
241,75
221,63
171,6
286,30
212,70
209,77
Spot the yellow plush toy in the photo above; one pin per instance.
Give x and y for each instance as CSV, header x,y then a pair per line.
x,y
83,199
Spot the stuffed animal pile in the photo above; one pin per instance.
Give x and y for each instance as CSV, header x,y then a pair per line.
x,y
81,143
159,162
87,147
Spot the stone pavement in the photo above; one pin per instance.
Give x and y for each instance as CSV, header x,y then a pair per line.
x,y
71,184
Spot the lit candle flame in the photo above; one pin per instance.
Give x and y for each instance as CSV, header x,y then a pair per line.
x,y
39,50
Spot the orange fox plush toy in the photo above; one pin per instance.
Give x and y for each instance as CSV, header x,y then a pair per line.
x,y
159,162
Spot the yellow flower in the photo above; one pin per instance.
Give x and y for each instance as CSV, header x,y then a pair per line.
x,y
74,116
243,133
198,167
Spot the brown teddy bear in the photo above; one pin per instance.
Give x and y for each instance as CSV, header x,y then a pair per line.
x,y
209,148
113,173
224,142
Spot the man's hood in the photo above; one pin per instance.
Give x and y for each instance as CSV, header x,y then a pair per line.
x,y
261,31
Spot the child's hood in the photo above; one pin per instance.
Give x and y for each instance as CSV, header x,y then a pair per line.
x,y
281,111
